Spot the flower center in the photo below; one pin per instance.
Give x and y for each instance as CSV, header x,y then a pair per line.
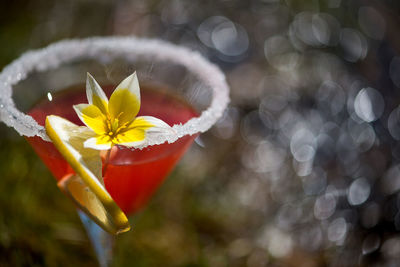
x,y
114,127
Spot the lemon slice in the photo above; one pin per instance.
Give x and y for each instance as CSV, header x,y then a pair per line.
x,y
86,187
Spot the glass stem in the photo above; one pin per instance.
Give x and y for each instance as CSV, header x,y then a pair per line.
x,y
102,242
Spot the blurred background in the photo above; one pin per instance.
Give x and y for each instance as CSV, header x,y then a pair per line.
x,y
302,170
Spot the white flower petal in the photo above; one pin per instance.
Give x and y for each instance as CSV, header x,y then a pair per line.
x,y
124,102
92,117
95,94
132,84
92,143
159,126
141,124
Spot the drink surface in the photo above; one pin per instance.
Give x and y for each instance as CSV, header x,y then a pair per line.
x,y
131,176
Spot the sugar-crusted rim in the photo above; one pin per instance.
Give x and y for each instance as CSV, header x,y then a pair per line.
x,y
66,51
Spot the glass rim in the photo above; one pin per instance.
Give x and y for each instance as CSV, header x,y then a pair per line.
x,y
66,51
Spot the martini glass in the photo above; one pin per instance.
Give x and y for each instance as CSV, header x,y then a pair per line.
x,y
178,86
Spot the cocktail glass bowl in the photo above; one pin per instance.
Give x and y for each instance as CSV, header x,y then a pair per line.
x,y
179,86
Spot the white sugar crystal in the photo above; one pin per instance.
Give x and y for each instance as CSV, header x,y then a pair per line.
x,y
104,49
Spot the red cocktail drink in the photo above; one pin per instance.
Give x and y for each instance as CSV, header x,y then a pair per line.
x,y
131,176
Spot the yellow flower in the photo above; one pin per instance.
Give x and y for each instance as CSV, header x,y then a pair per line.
x,y
114,121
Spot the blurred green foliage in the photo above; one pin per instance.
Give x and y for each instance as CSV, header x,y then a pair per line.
x,y
36,222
